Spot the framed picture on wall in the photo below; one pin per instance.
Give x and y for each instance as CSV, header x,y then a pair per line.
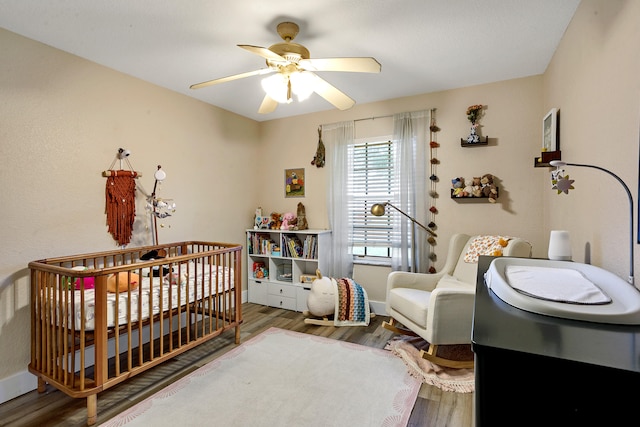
x,y
549,131
294,182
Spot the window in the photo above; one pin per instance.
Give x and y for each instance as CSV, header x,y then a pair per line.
x,y
370,181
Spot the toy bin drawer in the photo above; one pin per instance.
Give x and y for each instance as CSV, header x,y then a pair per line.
x,y
282,290
281,302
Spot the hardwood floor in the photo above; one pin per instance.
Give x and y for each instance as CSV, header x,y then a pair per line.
x,y
434,408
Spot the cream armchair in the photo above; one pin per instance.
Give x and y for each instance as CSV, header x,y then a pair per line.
x,y
439,307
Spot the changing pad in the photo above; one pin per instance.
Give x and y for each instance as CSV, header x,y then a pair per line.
x,y
555,284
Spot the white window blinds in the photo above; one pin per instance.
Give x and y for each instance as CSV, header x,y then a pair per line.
x,y
370,181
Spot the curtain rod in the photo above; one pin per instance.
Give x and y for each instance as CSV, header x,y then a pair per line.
x,y
376,117
373,118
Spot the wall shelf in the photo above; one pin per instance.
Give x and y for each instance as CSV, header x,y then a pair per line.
x,y
545,158
483,141
468,199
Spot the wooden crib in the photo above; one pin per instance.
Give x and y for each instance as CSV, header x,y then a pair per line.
x,y
85,339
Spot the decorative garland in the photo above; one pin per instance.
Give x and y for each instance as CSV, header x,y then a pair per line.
x,y
433,194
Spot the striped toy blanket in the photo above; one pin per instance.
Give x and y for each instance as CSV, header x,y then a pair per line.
x,y
352,304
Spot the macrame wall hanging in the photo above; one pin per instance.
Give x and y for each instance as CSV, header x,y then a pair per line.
x,y
120,195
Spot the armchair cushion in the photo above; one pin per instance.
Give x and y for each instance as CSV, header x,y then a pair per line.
x,y
412,303
416,304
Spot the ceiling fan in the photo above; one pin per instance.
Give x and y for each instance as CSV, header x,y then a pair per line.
x,y
294,72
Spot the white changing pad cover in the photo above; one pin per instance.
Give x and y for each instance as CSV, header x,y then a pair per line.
x,y
555,284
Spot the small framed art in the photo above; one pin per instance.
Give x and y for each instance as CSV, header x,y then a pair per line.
x,y
549,131
294,182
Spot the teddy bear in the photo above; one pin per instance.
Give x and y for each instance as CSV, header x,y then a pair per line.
x,y
467,191
488,189
275,222
287,221
476,187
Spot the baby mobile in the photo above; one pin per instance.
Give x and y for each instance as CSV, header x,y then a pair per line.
x,y
561,182
158,207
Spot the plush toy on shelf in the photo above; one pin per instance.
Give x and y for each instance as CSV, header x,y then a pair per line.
x,y
476,187
301,220
287,221
489,190
467,191
458,187
275,222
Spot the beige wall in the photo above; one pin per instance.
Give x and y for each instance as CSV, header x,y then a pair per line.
x,y
62,120
594,79
512,125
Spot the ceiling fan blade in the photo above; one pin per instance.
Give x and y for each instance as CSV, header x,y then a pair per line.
x,y
332,94
230,78
263,52
356,65
268,105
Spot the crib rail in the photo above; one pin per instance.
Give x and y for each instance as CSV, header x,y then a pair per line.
x,y
85,339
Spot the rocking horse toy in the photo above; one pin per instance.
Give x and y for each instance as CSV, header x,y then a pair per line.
x,y
343,299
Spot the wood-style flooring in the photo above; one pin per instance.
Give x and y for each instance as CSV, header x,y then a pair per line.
x,y
434,407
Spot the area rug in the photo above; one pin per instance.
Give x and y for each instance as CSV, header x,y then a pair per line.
x,y
285,378
447,379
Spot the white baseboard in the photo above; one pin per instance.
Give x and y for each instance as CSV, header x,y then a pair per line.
x,y
17,385
378,307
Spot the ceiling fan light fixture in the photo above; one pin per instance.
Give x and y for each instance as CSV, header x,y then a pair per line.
x,y
302,84
277,87
294,72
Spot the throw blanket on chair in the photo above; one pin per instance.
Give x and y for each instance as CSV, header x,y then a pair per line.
x,y
352,304
485,245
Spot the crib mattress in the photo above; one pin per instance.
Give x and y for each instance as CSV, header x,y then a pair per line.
x,y
154,295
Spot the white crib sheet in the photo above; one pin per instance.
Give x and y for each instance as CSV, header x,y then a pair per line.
x,y
149,294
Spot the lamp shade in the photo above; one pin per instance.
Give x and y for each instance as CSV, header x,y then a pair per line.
x,y
559,245
378,209
302,84
277,87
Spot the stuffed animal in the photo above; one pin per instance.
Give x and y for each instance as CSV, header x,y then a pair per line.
x,y
488,189
276,222
88,282
301,223
287,219
458,187
173,278
467,191
321,301
123,282
476,187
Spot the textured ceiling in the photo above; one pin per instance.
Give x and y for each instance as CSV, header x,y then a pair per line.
x,y
423,45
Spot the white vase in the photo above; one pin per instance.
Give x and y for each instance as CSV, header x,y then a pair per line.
x,y
473,137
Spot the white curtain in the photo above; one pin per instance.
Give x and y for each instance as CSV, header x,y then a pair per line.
x,y
410,135
337,137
